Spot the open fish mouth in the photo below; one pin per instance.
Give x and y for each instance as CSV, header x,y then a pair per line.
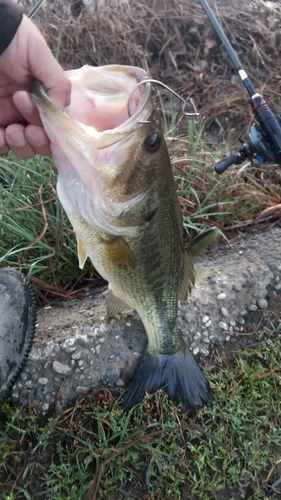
x,y
99,102
107,97
94,138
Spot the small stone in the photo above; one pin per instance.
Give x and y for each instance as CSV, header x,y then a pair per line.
x,y
123,355
232,322
252,283
80,362
98,348
223,325
45,407
205,319
253,307
111,356
197,336
80,389
237,301
38,393
61,368
119,383
232,273
224,312
102,340
187,318
42,381
240,320
76,355
272,266
221,296
23,398
244,313
69,350
208,324
23,377
205,333
277,286
110,378
137,354
195,350
227,338
204,351
206,340
262,304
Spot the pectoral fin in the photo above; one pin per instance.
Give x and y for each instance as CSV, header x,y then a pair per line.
x,y
187,277
82,252
114,305
119,253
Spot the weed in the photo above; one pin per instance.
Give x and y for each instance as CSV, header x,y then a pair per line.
x,y
154,451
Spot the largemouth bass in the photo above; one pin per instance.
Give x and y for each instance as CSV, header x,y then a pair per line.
x,y
116,185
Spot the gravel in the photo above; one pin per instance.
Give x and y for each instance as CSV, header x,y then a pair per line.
x,y
76,350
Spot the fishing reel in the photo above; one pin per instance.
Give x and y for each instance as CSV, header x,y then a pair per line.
x,y
258,147
265,136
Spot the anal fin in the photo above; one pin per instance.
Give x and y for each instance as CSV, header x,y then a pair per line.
x,y
114,305
187,277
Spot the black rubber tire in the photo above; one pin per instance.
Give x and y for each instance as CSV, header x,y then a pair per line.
x,y
17,327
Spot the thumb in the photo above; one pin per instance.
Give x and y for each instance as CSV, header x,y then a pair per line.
x,y
44,67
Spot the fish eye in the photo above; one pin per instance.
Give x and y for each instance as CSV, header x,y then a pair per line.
x,y
152,143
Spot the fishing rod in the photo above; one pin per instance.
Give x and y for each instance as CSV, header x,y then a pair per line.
x,y
264,137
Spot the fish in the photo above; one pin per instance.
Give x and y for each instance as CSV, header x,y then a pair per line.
x,y
116,184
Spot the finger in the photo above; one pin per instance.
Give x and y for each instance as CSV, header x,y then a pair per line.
x,y
26,107
9,112
15,138
38,140
48,71
4,148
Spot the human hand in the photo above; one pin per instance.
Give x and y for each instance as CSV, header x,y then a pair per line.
x,y
27,57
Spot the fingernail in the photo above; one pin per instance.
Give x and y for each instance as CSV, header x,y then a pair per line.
x,y
18,141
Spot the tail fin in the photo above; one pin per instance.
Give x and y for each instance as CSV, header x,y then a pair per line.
x,y
178,372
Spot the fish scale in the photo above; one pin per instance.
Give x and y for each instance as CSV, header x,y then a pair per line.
x,y
128,220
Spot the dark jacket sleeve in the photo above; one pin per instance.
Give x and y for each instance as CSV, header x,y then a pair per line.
x,y
10,19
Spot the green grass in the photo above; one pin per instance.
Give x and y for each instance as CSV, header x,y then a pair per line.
x,y
36,236
155,451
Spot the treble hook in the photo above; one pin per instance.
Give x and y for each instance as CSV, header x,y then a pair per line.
x,y
183,111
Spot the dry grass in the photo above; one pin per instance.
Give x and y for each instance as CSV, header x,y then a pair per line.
x,y
173,39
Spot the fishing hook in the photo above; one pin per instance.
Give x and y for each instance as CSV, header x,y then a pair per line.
x,y
184,102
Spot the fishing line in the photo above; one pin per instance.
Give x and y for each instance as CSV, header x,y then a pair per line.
x,y
35,8
184,102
